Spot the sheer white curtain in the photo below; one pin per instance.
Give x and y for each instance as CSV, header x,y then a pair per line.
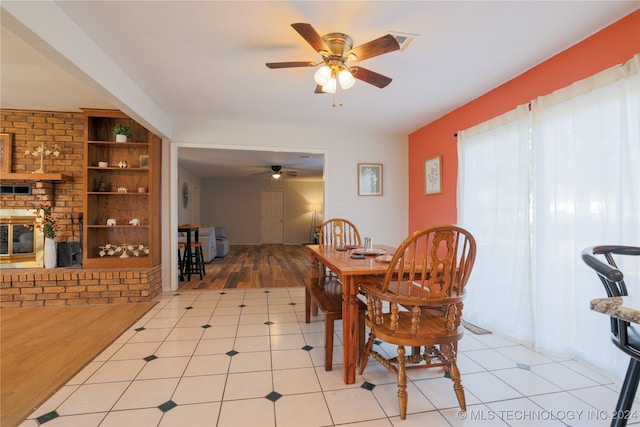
x,y
493,200
582,176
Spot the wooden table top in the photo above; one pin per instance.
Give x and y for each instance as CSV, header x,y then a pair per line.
x,y
624,308
341,262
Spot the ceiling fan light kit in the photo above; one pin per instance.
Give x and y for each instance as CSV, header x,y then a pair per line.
x,y
336,49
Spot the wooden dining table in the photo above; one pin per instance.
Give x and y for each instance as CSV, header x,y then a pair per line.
x,y
350,272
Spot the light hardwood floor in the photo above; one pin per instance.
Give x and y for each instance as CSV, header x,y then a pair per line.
x,y
43,348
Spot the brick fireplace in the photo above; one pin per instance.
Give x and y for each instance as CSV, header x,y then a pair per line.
x,y
21,243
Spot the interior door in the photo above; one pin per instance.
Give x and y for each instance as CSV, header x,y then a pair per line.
x,y
272,217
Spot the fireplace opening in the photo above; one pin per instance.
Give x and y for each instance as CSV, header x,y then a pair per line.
x,y
21,243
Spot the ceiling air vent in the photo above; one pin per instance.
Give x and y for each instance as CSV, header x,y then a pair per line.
x,y
19,189
403,39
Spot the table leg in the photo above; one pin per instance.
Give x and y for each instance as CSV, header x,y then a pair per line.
x,y
350,327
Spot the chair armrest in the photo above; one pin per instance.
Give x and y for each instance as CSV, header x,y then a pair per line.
x,y
604,270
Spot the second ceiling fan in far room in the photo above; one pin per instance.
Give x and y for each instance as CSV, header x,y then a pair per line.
x,y
276,172
337,51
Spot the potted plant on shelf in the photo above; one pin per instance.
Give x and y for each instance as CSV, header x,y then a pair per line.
x,y
121,133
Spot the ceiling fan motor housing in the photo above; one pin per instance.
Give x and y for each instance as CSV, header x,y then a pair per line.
x,y
338,43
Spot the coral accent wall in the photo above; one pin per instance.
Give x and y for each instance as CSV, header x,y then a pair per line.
x,y
613,45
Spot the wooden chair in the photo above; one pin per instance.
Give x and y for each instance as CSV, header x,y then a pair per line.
x,y
623,335
324,293
418,304
339,232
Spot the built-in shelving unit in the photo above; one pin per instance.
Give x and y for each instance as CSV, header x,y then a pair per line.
x,y
122,183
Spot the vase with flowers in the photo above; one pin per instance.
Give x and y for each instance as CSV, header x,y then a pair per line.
x,y
49,226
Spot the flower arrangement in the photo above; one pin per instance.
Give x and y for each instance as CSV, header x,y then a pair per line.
x,y
111,250
45,221
43,152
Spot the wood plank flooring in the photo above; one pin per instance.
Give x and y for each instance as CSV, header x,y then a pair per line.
x,y
255,266
43,348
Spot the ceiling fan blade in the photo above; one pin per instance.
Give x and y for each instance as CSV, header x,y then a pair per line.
x,y
319,89
290,64
370,77
379,46
311,36
289,173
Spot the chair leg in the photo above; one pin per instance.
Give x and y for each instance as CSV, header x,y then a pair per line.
x,y
455,375
402,383
328,342
365,354
627,393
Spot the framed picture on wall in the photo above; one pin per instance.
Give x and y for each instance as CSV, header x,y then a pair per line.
x,y
369,179
144,160
5,153
433,175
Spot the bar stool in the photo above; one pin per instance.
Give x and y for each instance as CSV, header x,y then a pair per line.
x,y
196,266
180,260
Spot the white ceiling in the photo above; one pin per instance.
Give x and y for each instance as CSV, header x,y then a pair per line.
x,y
204,59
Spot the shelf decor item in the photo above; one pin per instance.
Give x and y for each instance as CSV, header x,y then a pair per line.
x,y
121,133
42,151
49,226
123,250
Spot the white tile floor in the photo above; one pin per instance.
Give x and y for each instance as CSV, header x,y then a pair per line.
x,y
178,366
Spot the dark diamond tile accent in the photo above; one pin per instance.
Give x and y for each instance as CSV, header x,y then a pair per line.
x,y
292,303
150,358
167,406
242,305
267,292
206,326
368,386
273,396
307,347
47,417
223,293
377,342
232,353
523,366
140,329
188,308
268,322
447,375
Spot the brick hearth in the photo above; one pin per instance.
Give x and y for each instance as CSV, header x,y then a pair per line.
x,y
39,287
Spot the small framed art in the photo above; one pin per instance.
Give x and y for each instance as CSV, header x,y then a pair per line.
x,y
5,152
144,160
369,179
433,175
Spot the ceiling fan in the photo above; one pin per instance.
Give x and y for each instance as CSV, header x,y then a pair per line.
x,y
337,50
276,172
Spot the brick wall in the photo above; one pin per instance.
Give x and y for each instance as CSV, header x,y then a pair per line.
x,y
66,130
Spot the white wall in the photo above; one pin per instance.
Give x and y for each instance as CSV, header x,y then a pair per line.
x,y
236,205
